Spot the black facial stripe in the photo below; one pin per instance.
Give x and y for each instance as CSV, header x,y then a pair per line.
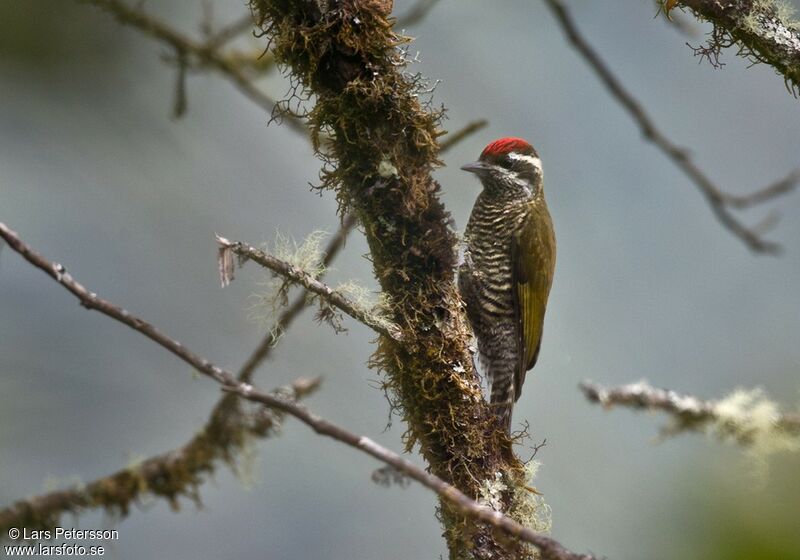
x,y
529,173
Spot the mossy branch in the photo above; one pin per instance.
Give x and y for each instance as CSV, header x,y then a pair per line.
x,y
549,548
383,146
288,315
171,476
746,417
764,30
299,276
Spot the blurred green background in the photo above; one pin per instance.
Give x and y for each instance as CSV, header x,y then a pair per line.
x,y
96,175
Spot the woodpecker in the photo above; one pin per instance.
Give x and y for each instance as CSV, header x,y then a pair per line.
x,y
508,264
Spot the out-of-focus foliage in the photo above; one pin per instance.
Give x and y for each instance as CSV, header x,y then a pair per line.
x,y
751,522
48,34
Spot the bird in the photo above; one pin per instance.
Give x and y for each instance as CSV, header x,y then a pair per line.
x,y
507,267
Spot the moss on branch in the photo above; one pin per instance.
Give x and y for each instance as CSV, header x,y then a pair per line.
x,y
765,31
381,150
171,476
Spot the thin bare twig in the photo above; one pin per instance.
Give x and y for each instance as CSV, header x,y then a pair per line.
x,y
230,32
458,135
293,310
171,474
719,201
206,53
304,279
549,548
416,13
90,300
779,187
687,411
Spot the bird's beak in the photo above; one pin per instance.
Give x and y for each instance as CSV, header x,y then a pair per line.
x,y
477,167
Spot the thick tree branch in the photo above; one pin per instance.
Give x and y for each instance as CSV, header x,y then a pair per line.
x,y
743,416
348,60
548,547
304,279
180,471
764,31
719,201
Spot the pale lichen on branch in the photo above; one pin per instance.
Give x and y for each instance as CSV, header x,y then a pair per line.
x,y
169,475
746,417
305,279
765,31
548,548
346,58
130,483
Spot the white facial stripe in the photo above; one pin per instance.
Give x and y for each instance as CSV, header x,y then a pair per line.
x,y
532,160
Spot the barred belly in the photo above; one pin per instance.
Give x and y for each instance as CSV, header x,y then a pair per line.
x,y
485,281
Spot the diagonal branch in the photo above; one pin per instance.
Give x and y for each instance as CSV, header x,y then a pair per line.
x,y
741,415
764,31
70,500
230,32
303,278
90,300
206,53
779,187
292,310
458,135
416,13
169,475
719,201
179,471
550,549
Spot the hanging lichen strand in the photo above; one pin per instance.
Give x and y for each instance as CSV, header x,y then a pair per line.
x,y
378,158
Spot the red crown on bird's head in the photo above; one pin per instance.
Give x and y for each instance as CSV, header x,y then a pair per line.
x,y
504,146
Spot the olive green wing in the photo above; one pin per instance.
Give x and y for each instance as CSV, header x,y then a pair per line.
x,y
533,257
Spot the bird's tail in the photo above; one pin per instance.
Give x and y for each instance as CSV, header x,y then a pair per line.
x,y
504,416
502,400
